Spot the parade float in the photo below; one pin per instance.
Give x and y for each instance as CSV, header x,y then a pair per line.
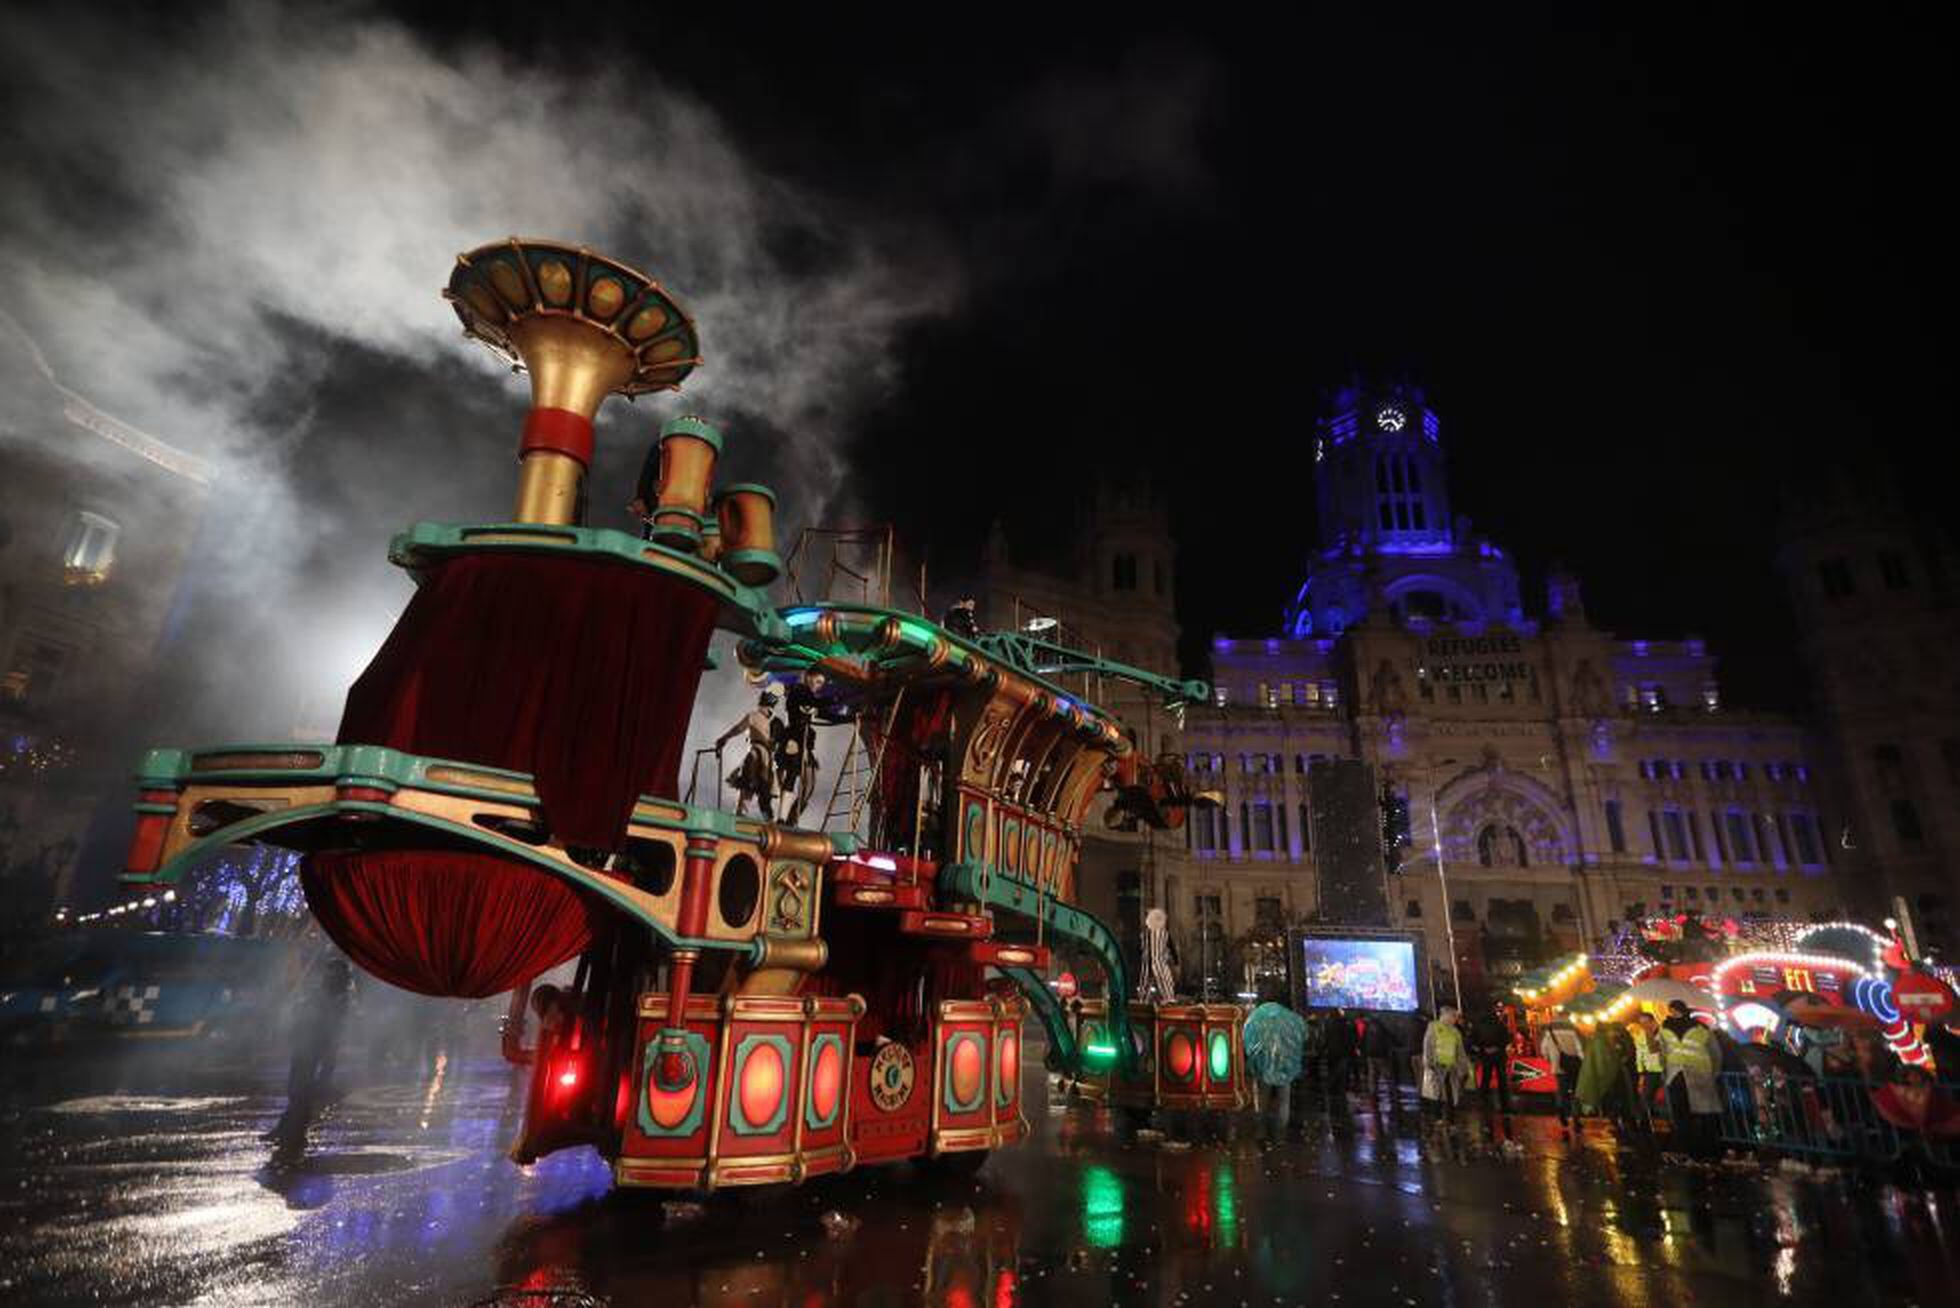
x,y
753,1001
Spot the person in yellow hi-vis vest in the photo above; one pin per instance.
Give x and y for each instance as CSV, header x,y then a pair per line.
x,y
1691,1059
1445,1063
1649,1064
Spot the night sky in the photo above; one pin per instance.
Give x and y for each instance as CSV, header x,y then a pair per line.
x,y
1646,277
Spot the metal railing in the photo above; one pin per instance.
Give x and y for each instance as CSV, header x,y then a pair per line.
x,y
1827,1118
694,780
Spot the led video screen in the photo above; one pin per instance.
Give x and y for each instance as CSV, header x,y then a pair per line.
x,y
1378,974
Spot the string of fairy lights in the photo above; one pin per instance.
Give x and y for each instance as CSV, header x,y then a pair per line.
x,y
61,915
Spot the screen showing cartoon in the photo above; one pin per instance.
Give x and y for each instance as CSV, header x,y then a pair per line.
x,y
1377,974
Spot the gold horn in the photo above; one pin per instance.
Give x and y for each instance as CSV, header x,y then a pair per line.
x,y
585,327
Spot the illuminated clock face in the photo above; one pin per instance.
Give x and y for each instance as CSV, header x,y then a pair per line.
x,y
1390,419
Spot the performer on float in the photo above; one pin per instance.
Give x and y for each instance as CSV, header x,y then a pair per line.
x,y
755,778
962,619
1159,981
796,756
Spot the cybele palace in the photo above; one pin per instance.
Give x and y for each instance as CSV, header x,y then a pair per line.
x,y
1544,781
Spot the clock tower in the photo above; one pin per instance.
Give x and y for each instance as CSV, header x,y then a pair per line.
x,y
1387,540
1379,472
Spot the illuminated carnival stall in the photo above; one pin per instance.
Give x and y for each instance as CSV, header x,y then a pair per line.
x,y
1761,980
753,1002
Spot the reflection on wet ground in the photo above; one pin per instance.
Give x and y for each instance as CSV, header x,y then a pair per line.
x,y
115,1190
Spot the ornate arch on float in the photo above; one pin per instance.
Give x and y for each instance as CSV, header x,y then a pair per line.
x,y
1494,796
1456,591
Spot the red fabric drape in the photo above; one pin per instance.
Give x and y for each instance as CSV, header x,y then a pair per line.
x,y
921,731
440,922
580,672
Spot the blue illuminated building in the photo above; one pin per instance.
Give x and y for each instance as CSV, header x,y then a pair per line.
x,y
1558,779
1387,539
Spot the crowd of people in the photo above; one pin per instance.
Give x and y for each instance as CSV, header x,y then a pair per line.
x,y
1654,1081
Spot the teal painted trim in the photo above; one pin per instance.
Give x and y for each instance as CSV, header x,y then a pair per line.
x,y
972,880
161,763
768,558
697,1049
1063,1053
162,810
828,1040
916,636
689,425
738,1118
604,887
951,1102
976,828
1004,1089
382,768
425,542
1033,657
753,488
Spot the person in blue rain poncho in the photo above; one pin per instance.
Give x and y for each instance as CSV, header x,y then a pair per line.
x,y
1275,1045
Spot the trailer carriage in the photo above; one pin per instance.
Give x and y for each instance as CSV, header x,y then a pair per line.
x,y
753,1002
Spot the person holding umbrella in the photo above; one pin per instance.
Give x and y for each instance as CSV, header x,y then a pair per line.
x,y
1275,1043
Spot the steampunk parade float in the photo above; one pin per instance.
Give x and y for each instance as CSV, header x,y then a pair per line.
x,y
754,1002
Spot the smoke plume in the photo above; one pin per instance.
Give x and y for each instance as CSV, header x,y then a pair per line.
x,y
231,231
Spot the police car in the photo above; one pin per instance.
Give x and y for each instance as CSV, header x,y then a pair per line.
x,y
108,985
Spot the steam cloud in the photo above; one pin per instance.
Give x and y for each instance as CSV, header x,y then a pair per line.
x,y
232,235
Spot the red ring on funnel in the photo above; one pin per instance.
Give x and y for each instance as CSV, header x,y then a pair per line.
x,y
560,431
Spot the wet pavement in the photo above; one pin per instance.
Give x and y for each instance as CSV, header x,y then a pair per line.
x,y
145,1182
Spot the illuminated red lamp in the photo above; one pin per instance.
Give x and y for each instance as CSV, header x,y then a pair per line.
x,y
826,1081
968,1071
761,1091
669,1108
1010,1063
564,1078
1181,1054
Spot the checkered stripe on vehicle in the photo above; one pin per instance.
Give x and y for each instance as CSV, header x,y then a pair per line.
x,y
132,1005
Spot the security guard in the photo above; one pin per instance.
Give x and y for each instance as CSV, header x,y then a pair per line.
x,y
1691,1059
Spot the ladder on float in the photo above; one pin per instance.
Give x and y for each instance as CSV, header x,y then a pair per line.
x,y
857,772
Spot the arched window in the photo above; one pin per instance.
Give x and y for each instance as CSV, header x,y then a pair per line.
x,y
1501,846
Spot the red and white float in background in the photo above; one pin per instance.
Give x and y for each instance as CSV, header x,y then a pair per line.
x,y
1756,990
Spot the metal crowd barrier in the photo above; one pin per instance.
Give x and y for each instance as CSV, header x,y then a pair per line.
x,y
1829,1118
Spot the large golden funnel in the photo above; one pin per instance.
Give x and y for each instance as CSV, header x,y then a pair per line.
x,y
585,327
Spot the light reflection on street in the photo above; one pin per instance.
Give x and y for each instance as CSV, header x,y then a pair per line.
x,y
407,1187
